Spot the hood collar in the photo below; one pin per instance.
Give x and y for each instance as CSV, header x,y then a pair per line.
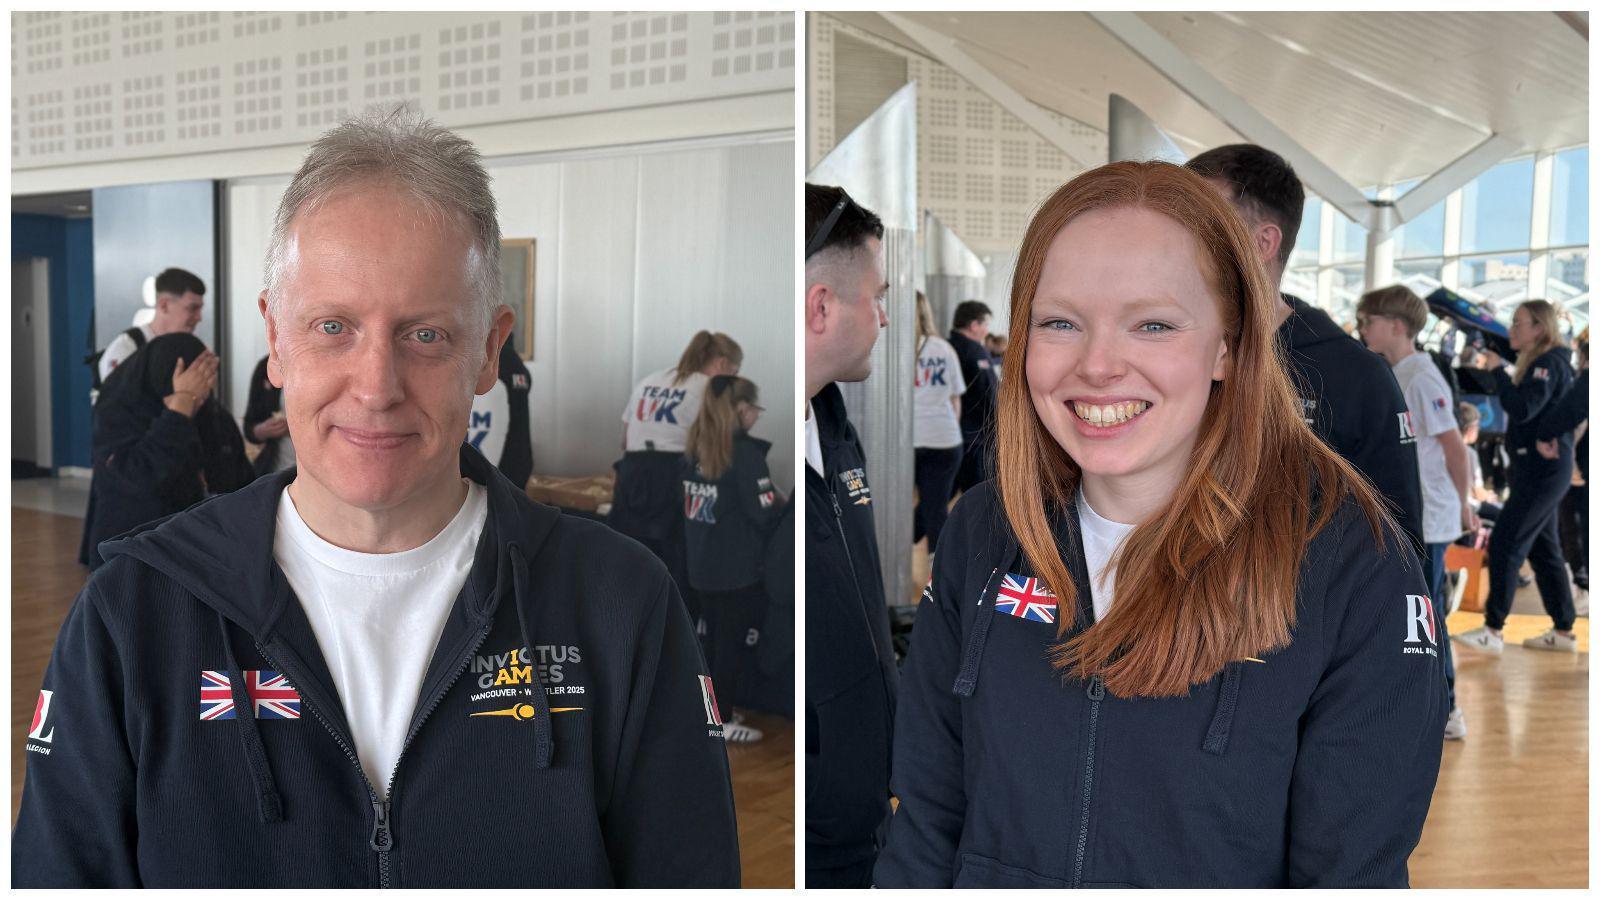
x,y
221,550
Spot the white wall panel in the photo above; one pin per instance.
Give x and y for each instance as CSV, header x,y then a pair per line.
x,y
636,250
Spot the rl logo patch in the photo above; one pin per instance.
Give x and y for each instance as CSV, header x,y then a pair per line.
x,y
1421,627
41,720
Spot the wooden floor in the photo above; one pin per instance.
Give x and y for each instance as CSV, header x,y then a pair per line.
x,y
1511,808
45,577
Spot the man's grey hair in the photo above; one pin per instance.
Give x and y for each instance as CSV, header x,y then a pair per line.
x,y
395,147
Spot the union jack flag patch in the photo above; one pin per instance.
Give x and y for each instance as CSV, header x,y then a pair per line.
x,y
270,693
1026,598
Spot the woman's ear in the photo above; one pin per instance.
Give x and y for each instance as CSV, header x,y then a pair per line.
x,y
1223,364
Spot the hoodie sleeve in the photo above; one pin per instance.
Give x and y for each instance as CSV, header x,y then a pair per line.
x,y
670,822
757,494
1569,411
151,457
76,826
262,402
1524,401
1371,737
921,848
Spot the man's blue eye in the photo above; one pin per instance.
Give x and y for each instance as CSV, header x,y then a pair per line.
x,y
427,335
332,327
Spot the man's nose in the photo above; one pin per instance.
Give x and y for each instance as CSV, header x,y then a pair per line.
x,y
376,379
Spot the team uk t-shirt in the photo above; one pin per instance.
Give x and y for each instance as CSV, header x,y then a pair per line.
x,y
660,411
377,618
1429,405
938,378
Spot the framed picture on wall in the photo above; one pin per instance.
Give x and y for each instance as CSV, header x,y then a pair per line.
x,y
516,288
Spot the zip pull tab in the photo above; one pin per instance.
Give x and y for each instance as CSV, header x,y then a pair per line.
x,y
382,837
1097,689
834,499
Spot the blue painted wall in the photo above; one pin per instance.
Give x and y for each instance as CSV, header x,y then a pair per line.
x,y
69,245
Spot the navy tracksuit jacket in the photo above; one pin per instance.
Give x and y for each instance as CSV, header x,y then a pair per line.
x,y
1312,767
128,786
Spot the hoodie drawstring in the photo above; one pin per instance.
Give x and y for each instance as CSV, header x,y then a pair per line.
x,y
543,741
972,657
1227,701
269,805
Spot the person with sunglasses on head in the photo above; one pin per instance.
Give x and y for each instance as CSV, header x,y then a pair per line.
x,y
730,507
850,663
1177,641
1527,528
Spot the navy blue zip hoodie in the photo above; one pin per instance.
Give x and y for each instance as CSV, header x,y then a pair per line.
x,y
1528,405
1311,767
1353,402
627,784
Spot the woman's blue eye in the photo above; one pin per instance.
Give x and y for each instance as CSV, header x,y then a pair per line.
x,y
427,335
332,327
1056,324
1155,327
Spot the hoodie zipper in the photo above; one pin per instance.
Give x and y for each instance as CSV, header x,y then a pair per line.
x,y
382,838
1096,692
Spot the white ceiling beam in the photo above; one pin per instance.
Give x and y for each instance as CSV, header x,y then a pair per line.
x,y
1466,167
1165,57
945,50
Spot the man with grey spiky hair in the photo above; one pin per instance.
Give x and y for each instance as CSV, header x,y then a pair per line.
x,y
410,675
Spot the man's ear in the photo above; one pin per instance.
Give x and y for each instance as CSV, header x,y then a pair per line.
x,y
1269,237
499,330
274,362
819,299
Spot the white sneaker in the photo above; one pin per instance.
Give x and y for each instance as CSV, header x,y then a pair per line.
x,y
737,732
1553,640
1481,638
1455,727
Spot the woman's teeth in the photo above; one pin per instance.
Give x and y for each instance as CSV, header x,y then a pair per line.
x,y
1111,414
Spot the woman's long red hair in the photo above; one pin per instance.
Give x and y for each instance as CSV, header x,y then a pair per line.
x,y
1211,578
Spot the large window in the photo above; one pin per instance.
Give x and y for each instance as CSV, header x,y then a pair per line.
x,y
1497,208
1480,241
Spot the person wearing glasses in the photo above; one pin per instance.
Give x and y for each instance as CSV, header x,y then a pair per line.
x,y
730,506
850,663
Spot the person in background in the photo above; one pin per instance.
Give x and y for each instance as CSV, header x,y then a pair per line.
x,y
655,431
499,426
180,299
1526,528
850,674
1485,503
996,345
1572,414
1390,318
264,423
1348,395
935,425
729,509
969,326
161,441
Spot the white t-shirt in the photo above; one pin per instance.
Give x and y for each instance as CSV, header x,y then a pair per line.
x,y
938,378
813,442
1101,538
377,618
120,348
1428,400
659,412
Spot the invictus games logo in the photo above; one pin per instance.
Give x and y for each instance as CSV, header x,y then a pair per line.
x,y
1422,633
855,481
517,672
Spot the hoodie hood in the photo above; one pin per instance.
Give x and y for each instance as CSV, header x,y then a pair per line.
x,y
1308,326
221,550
